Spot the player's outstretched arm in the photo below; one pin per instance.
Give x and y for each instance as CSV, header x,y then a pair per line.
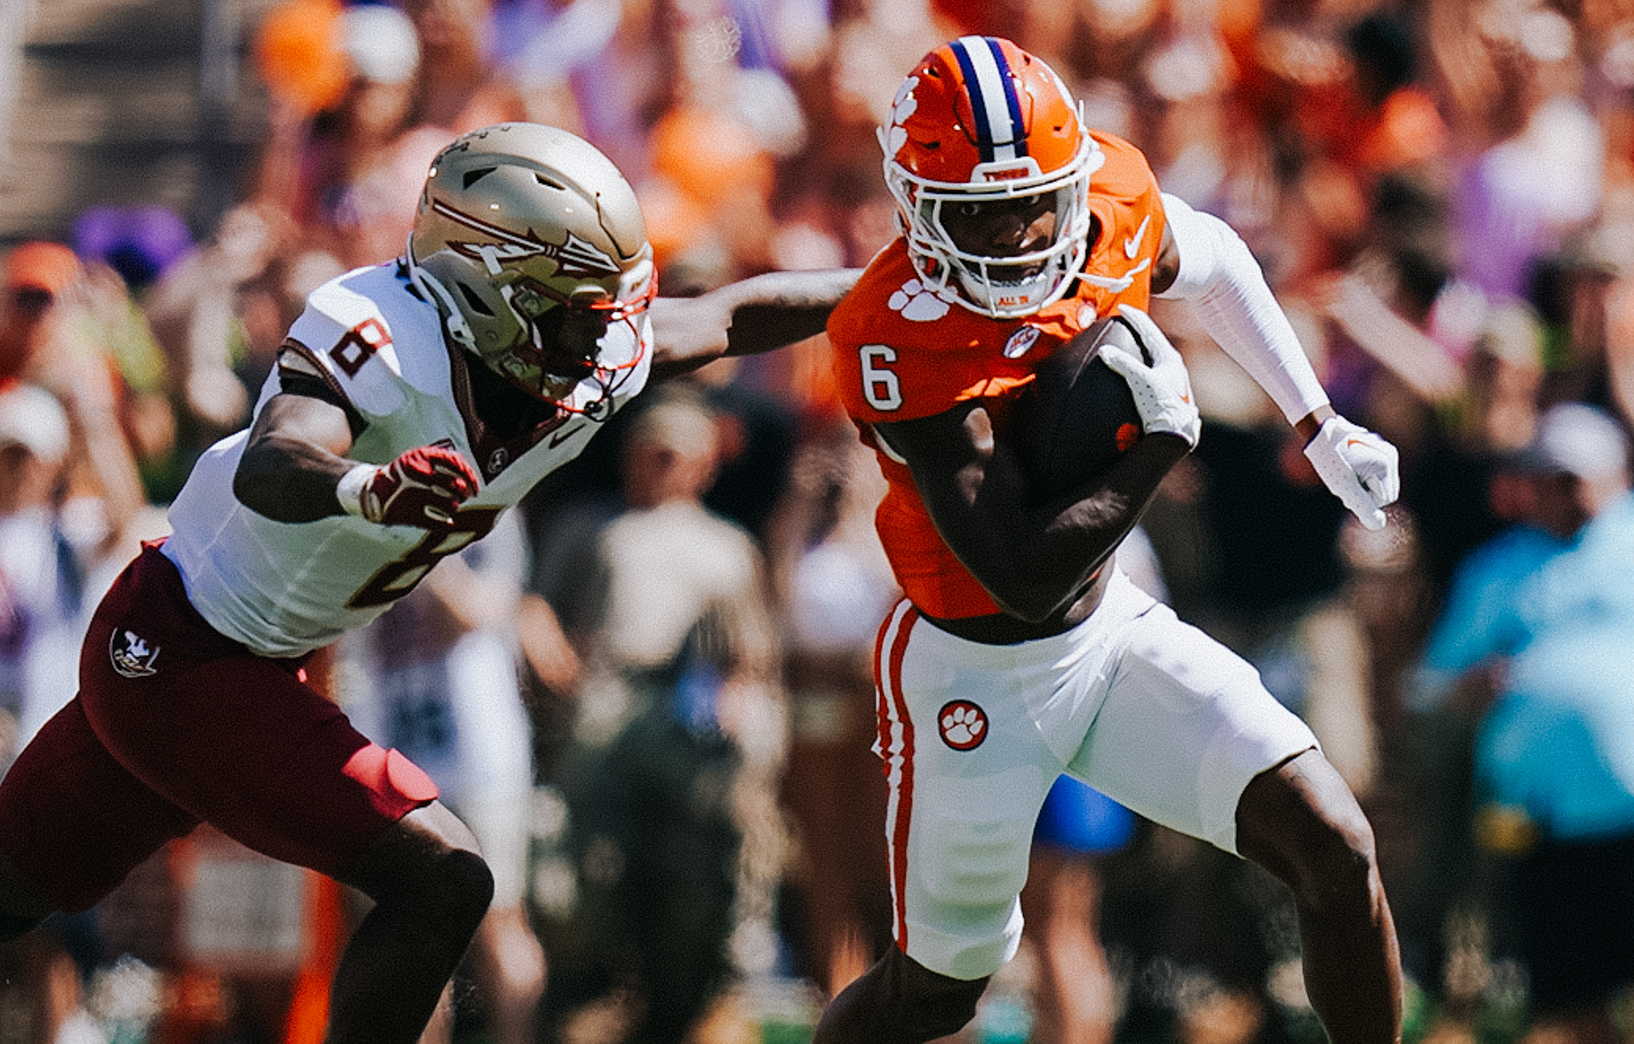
x,y
294,469
752,315
1204,261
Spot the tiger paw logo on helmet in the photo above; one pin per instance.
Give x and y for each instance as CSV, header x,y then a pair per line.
x,y
962,725
902,107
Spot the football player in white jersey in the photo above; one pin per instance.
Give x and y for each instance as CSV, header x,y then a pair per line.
x,y
413,403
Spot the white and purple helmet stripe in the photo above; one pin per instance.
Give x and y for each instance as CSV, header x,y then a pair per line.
x,y
999,131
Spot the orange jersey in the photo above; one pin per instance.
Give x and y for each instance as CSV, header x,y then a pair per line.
x,y
902,352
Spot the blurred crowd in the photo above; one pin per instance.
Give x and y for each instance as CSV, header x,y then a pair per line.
x,y
651,696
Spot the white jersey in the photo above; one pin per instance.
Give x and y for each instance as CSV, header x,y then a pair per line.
x,y
284,589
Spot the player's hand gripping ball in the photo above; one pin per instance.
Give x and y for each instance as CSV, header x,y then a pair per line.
x,y
423,487
1077,416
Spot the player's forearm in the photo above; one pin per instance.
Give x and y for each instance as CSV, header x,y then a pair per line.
x,y
779,308
1225,285
753,315
1032,561
294,459
1084,528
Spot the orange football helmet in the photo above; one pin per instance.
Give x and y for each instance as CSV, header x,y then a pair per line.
x,y
980,119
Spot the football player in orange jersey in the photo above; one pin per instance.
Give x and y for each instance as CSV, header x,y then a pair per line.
x,y
1021,651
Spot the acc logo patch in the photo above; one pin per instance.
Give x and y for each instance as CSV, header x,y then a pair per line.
x,y
1020,342
131,655
962,725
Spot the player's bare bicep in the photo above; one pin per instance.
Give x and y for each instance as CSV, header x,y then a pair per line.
x,y
304,419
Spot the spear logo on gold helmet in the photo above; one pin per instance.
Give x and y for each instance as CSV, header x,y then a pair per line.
x,y
517,221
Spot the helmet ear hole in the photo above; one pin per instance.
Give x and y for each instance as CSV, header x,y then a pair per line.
x,y
474,302
474,176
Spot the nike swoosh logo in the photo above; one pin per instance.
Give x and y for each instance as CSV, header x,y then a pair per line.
x,y
1131,246
1354,442
562,436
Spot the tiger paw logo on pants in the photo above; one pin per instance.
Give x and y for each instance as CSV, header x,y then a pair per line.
x,y
962,725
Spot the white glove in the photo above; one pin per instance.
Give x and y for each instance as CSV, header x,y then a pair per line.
x,y
1162,390
1358,467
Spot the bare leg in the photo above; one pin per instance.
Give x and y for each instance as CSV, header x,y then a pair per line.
x,y
440,1030
431,889
510,973
1074,993
1301,822
899,1001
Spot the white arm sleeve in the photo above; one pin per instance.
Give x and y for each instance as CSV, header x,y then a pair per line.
x,y
1224,283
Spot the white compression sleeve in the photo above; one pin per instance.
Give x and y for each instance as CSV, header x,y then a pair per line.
x,y
1224,283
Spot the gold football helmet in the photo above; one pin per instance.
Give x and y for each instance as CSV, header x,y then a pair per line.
x,y
531,244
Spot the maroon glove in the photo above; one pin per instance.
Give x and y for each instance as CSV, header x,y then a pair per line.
x,y
422,487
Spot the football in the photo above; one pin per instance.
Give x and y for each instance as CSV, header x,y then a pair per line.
x,y
1078,415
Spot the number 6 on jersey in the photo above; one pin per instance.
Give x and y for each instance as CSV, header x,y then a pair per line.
x,y
879,384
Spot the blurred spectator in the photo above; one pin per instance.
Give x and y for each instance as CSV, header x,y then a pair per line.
x,y
41,581
1519,652
1575,468
353,198
140,243
42,593
436,677
834,586
49,334
1540,176
670,786
1553,764
1456,487
548,47
36,275
219,313
458,87
298,56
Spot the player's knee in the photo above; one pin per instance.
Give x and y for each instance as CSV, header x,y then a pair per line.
x,y
458,889
1338,868
1303,824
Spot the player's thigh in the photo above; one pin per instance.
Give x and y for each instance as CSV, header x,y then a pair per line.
x,y
967,771
1185,726
243,743
73,821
